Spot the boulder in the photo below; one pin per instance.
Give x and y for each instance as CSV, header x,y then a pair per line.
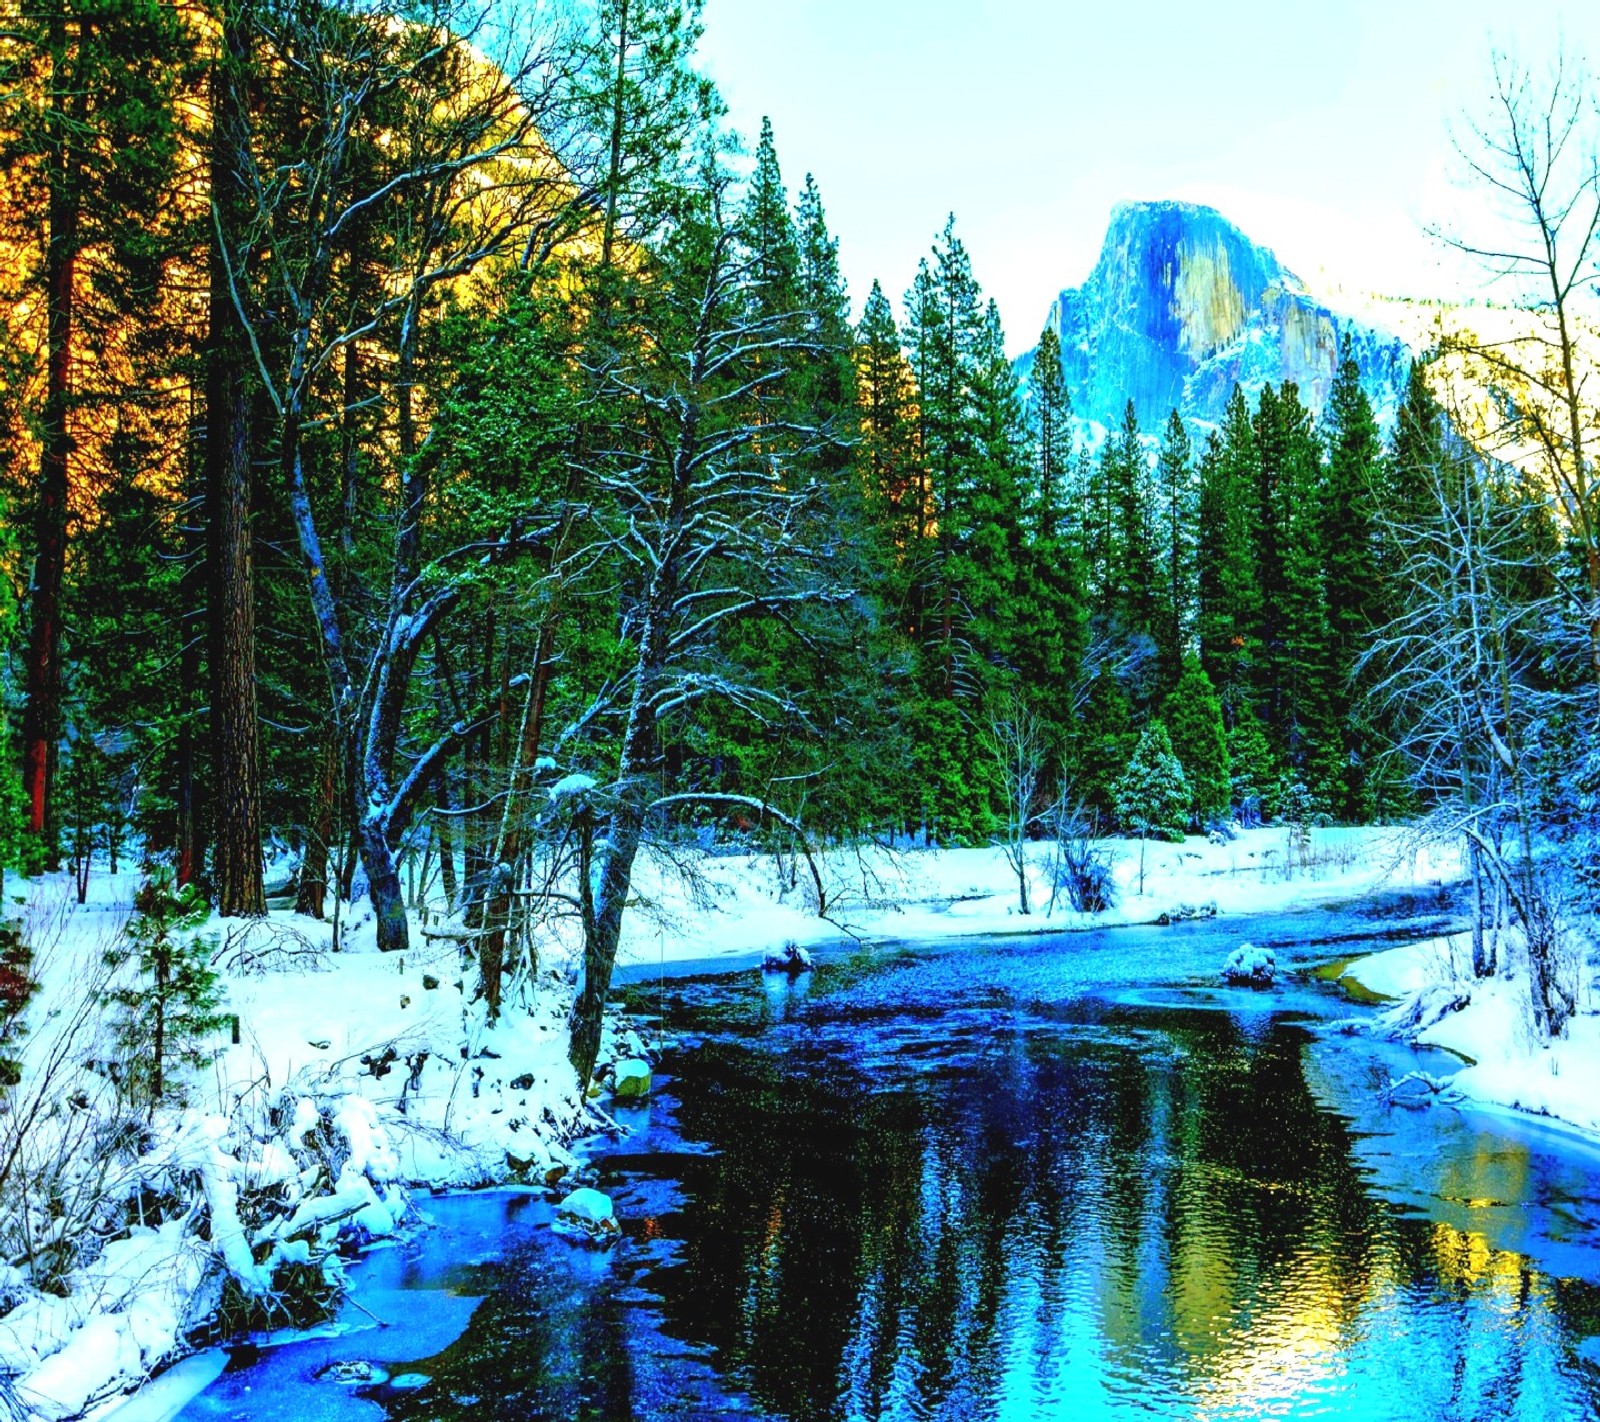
x,y
587,1215
1249,966
632,1079
791,959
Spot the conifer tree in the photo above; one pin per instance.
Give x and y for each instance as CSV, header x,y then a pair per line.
x,y
1352,582
1193,716
1104,740
89,143
1052,406
1229,593
1152,795
1176,512
175,1002
886,399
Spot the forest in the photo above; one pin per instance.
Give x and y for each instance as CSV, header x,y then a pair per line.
x,y
441,466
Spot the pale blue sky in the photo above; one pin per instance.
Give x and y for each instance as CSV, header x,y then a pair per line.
x,y
1323,129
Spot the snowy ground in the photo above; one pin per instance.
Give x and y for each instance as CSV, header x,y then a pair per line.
x,y
743,905
1507,1067
359,1075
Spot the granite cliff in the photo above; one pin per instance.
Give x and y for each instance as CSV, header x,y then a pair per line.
x,y
1181,305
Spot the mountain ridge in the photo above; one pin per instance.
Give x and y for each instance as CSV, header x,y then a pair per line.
x,y
1181,305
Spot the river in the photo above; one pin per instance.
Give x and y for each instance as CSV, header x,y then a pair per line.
x,y
1048,1177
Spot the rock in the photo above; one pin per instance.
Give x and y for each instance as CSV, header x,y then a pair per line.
x,y
1181,306
429,983
555,1175
320,1043
791,959
1249,966
358,1373
632,1079
587,1215
1183,913
523,1082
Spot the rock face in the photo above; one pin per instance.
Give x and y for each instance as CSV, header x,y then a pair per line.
x,y
1181,306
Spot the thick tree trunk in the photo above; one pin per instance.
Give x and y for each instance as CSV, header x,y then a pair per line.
x,y
235,743
42,707
189,829
383,886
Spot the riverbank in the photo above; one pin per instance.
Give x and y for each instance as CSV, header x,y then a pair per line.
x,y
739,905
1489,1024
357,1076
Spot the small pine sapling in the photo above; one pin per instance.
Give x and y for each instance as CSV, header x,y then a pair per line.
x,y
1153,793
174,1004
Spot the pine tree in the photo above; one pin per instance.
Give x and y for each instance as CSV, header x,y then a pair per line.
x,y
89,143
1152,796
1193,715
1131,581
886,397
1229,593
1352,581
176,1002
769,235
1052,407
1177,509
1103,742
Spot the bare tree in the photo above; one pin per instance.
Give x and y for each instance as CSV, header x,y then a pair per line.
x,y
403,127
1459,667
1015,742
1536,154
715,528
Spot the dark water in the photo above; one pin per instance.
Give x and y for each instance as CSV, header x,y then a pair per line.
x,y
1050,1178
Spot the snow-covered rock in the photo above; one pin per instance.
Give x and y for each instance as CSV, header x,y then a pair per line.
x,y
1250,966
791,959
587,1214
632,1079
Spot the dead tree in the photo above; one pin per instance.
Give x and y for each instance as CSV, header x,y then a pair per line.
x,y
1458,667
1014,740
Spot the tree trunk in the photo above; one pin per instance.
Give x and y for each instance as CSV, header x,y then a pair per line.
x,y
190,832
383,885
313,886
42,707
231,593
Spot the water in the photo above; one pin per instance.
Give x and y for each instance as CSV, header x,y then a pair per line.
x,y
1045,1178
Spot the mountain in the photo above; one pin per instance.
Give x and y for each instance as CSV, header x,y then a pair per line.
x,y
1181,306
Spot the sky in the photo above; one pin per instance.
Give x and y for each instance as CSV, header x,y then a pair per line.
x,y
1324,130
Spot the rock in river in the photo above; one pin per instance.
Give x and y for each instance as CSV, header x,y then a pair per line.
x,y
587,1214
632,1079
1249,966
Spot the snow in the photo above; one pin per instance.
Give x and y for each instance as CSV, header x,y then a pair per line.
x,y
740,905
1251,966
359,1076
1506,1066
575,784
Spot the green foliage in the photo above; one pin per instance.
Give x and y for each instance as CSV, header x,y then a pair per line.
x,y
1105,738
1253,768
175,1003
1152,796
1193,715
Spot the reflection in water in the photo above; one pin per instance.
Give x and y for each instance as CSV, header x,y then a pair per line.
x,y
880,1203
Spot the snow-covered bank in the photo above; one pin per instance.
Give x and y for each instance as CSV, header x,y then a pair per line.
x,y
1489,1023
354,1076
741,905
